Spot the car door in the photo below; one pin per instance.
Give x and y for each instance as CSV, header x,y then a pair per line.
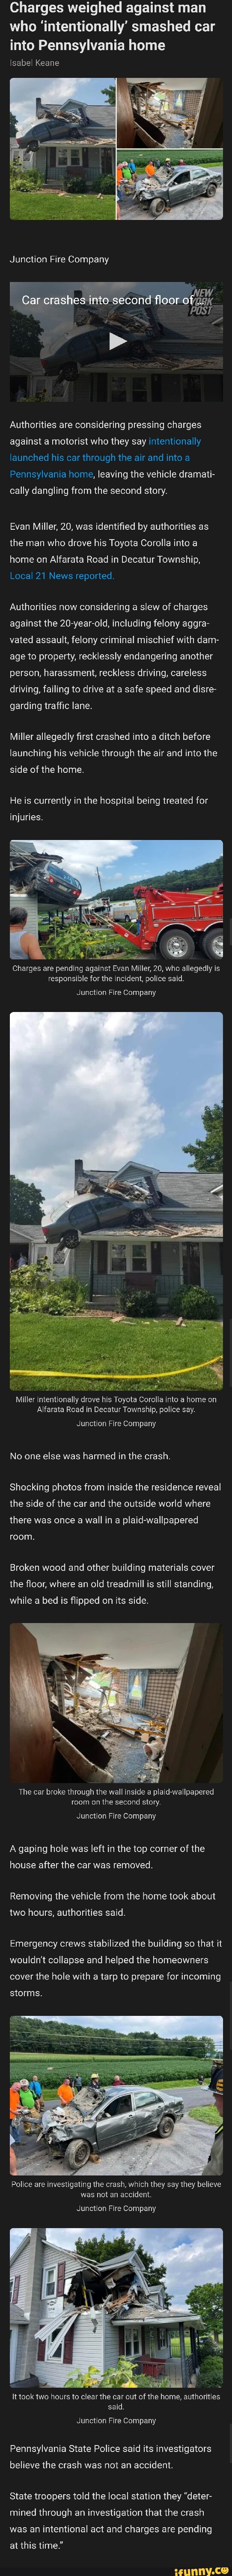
x,y
117,2128
180,187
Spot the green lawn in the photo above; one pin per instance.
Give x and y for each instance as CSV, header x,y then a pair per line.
x,y
72,1349
47,207
205,2112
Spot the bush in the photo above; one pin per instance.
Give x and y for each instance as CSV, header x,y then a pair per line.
x,y
24,179
195,1302
207,2347
107,185
136,1301
74,182
210,2374
37,1291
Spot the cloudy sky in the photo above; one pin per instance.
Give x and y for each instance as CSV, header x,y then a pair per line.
x,y
191,2254
124,862
168,2026
54,93
108,1085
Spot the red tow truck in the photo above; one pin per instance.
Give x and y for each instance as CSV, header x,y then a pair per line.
x,y
178,924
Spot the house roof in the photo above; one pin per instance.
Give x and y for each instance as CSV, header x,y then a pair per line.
x,y
153,2316
71,125
173,1198
29,1233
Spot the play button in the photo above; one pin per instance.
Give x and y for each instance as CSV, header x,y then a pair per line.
x,y
115,341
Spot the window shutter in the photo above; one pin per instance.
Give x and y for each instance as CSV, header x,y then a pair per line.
x,y
68,2344
41,2349
16,2289
60,2280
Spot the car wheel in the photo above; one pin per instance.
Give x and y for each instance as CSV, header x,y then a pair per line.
x,y
176,944
48,2140
213,942
78,2153
166,2126
212,190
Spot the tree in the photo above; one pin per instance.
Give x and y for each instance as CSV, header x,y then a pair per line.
x,y
25,335
208,2299
26,1203
110,94
208,1157
13,123
103,2249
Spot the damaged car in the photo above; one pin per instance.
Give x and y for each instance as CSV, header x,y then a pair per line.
x,y
138,2112
178,187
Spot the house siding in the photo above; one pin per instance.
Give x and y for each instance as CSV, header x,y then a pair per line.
x,y
87,2349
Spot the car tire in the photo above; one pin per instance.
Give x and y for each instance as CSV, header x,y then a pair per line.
x,y
78,2153
174,943
212,190
166,2125
213,942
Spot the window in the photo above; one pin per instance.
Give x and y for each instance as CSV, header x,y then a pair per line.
x,y
120,2103
192,388
180,176
139,1256
139,388
50,2285
118,1256
128,2344
11,2291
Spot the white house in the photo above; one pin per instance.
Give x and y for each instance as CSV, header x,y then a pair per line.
x,y
150,1228
72,2315
72,137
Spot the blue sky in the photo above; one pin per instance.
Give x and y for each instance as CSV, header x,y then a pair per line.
x,y
191,2255
56,93
108,1085
124,862
168,2026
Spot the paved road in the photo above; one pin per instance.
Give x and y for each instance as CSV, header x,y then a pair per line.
x,y
186,2152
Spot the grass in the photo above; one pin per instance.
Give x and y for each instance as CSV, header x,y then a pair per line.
x,y
49,207
207,2113
134,2070
92,1347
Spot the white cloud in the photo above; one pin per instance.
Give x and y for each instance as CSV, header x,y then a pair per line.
x,y
79,1082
